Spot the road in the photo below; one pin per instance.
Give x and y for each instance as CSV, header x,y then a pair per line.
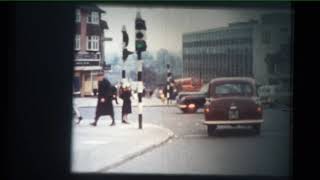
x,y
232,151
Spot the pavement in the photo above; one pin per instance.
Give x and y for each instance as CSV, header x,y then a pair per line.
x,y
147,102
100,148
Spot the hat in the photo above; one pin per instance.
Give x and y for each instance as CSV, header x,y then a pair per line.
x,y
126,85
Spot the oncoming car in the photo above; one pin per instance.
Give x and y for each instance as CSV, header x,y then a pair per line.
x,y
232,101
190,102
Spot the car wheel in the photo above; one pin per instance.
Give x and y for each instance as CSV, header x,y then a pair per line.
x,y
184,110
211,129
257,128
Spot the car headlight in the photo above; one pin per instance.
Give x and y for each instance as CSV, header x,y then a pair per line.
x,y
191,106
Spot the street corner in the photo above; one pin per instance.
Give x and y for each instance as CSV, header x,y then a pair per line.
x,y
101,148
143,141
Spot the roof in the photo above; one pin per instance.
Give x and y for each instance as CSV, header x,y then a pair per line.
x,y
104,24
91,7
221,79
234,25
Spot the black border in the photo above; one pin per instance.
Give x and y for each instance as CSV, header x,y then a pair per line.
x,y
39,134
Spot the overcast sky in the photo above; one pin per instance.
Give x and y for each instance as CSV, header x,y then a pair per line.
x,y
165,26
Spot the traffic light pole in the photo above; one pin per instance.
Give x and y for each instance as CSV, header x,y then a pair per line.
x,y
123,67
141,46
125,41
125,52
140,89
168,83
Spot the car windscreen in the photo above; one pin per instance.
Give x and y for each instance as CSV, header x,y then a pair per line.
x,y
233,89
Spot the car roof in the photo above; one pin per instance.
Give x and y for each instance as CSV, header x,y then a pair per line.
x,y
226,79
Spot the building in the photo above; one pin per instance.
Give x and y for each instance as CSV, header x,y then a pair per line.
x,y
240,49
219,52
89,49
272,35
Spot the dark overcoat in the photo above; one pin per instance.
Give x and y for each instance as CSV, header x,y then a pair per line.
x,y
105,91
125,95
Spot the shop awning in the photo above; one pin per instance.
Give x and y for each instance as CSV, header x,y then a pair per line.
x,y
88,68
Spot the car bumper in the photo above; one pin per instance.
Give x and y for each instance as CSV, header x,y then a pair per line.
x,y
226,122
182,106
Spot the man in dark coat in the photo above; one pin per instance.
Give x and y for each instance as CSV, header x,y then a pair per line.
x,y
104,105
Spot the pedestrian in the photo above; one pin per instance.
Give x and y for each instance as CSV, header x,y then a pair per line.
x,y
171,93
104,104
126,107
77,114
162,95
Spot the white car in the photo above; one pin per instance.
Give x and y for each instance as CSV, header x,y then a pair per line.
x,y
274,94
267,94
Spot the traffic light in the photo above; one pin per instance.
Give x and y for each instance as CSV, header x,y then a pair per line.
x,y
125,54
125,40
140,27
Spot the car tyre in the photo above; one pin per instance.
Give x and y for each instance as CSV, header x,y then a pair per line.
x,y
184,110
211,129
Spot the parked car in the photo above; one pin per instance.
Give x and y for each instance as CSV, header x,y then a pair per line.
x,y
270,95
190,102
232,101
267,95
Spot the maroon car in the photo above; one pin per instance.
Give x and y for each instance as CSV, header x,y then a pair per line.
x,y
232,101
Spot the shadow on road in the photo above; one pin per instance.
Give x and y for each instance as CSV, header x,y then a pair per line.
x,y
234,133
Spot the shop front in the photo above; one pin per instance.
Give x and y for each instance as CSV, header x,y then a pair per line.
x,y
86,68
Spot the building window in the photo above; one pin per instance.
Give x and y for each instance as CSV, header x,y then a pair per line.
x,y
93,43
78,15
93,18
77,42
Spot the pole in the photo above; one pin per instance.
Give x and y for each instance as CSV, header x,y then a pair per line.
x,y
140,89
123,58
168,82
123,68
141,46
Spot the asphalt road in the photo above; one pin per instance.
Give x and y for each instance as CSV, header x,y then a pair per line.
x,y
232,151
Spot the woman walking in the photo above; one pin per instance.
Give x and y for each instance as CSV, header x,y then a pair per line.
x,y
126,108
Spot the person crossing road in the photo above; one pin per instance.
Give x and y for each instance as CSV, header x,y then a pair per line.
x,y
105,97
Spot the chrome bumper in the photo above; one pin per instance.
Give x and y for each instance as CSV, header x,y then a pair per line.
x,y
226,122
182,106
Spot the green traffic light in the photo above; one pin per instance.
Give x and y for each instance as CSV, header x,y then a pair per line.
x,y
141,46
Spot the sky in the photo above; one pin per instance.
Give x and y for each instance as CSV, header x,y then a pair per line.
x,y
165,25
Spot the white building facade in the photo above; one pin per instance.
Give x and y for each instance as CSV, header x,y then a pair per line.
x,y
239,49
